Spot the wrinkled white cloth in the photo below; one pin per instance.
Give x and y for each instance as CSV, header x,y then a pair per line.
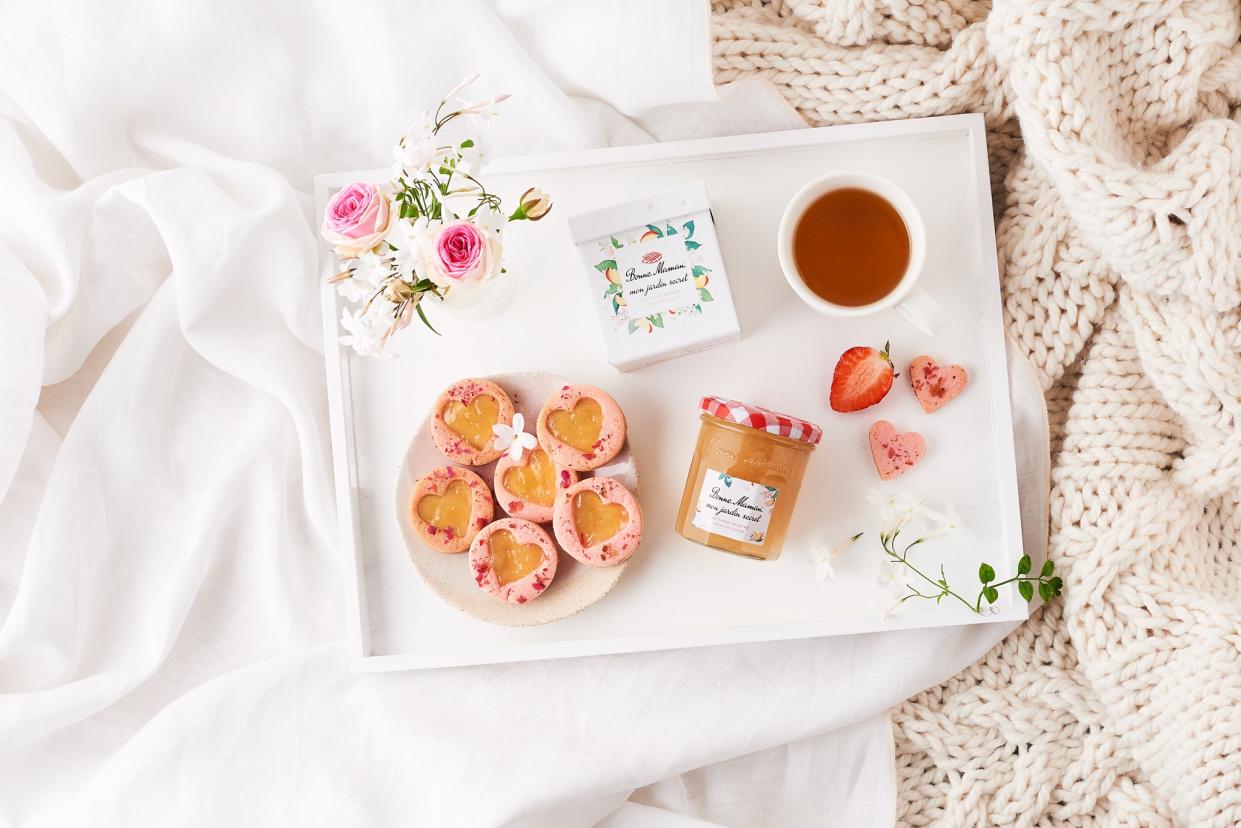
x,y
171,607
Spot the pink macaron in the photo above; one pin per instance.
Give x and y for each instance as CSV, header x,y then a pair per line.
x,y
528,488
449,508
581,427
463,417
598,522
514,560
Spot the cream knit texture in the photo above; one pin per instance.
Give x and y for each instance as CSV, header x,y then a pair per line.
x,y
1115,148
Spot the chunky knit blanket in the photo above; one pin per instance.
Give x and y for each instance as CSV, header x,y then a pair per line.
x,y
1115,143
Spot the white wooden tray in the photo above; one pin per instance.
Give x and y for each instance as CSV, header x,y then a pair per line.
x,y
676,593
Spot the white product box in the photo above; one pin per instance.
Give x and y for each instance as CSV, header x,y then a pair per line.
x,y
655,275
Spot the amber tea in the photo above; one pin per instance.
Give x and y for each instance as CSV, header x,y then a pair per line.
x,y
851,247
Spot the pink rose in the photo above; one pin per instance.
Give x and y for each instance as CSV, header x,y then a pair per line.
x,y
462,252
356,219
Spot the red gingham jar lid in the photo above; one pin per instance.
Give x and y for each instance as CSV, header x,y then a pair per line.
x,y
762,419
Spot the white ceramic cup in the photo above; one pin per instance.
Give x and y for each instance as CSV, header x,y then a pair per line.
x,y
919,308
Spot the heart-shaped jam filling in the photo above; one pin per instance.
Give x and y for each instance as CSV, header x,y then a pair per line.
x,y
473,422
595,520
534,482
449,511
580,427
510,560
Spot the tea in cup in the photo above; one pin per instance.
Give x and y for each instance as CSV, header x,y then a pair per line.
x,y
852,244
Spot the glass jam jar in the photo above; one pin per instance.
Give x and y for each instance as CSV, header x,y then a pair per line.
x,y
743,482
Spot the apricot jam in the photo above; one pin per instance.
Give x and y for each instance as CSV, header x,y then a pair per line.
x,y
473,422
744,479
580,427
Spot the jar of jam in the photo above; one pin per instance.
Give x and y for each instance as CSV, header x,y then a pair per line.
x,y
743,482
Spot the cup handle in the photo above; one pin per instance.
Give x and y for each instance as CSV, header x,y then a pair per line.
x,y
922,311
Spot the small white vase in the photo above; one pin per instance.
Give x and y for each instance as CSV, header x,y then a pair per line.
x,y
481,301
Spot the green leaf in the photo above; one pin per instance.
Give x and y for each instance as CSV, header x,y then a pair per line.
x,y
986,574
612,289
615,304
1023,565
705,295
633,325
467,143
671,230
698,308
1048,567
1045,590
423,316
1026,589
689,230
606,264
991,594
692,245
615,243
699,270
1056,584
655,230
656,319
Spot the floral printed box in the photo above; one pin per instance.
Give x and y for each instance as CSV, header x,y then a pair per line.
x,y
656,277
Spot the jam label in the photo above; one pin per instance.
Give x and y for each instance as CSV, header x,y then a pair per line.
x,y
656,275
734,508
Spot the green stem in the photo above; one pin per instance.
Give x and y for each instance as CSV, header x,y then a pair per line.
x,y
903,558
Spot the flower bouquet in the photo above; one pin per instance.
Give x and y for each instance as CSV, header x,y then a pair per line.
x,y
433,229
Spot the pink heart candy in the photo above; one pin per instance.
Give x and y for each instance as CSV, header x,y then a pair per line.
x,y
894,453
935,384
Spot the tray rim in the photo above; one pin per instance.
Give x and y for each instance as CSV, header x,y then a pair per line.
x,y
340,414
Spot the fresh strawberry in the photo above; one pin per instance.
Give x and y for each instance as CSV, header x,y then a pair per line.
x,y
863,377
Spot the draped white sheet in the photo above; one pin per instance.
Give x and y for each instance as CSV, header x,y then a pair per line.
x,y
170,598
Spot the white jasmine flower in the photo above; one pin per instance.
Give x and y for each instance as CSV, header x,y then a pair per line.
x,y
408,243
514,437
892,575
368,327
368,272
821,555
418,149
936,523
473,157
352,290
466,81
491,220
372,271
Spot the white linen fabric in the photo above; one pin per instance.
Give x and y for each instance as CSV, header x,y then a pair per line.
x,y
170,600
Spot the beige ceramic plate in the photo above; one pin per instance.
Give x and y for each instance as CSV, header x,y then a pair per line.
x,y
575,587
